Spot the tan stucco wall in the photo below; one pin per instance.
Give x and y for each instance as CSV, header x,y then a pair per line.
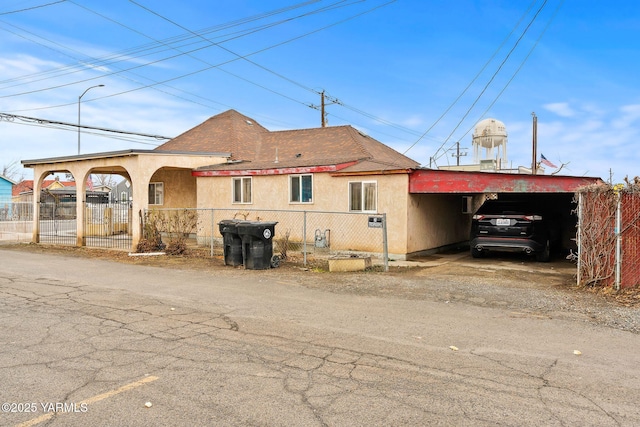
x,y
436,220
179,188
330,194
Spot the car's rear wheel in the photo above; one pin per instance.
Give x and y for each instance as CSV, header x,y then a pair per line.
x,y
545,254
476,253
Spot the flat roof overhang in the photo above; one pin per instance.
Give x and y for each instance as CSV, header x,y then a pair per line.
x,y
117,154
465,182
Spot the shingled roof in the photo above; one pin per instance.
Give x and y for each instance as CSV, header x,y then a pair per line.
x,y
254,147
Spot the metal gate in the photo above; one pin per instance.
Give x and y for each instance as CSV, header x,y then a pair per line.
x,y
58,223
108,225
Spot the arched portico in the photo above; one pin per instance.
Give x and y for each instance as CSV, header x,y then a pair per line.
x,y
139,167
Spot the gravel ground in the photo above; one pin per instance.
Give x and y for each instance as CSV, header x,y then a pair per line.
x,y
514,283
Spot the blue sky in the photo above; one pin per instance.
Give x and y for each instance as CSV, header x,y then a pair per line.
x,y
399,70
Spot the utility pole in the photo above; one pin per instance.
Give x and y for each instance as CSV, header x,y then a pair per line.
x,y
534,164
458,154
323,103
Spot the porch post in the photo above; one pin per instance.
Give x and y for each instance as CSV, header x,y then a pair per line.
x,y
140,202
81,195
37,183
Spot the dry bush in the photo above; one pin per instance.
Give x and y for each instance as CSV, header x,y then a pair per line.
x,y
151,240
178,226
283,243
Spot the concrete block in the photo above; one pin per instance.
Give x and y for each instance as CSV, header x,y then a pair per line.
x,y
349,263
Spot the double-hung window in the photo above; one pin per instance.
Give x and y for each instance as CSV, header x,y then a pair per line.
x,y
242,190
156,193
301,189
363,196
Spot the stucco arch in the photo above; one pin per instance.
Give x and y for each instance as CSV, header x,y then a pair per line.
x,y
140,167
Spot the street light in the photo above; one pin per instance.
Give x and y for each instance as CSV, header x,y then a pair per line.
x,y
79,98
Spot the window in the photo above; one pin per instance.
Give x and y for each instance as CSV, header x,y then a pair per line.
x,y
156,193
301,189
363,196
242,190
124,197
467,204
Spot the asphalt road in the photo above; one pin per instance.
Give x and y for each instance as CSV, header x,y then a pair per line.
x,y
90,342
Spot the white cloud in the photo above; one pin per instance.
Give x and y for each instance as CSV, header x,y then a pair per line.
x,y
630,115
560,108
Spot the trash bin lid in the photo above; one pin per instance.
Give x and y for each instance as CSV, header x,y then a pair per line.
x,y
230,225
262,229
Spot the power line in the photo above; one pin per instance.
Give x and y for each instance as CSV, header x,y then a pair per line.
x,y
473,104
31,8
519,67
104,61
38,121
478,74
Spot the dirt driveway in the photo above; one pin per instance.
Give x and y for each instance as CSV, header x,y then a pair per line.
x,y
510,281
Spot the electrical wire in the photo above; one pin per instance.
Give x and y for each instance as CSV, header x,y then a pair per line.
x,y
27,119
211,66
486,86
96,63
478,74
31,8
136,52
504,88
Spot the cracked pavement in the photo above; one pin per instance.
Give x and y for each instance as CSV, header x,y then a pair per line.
x,y
248,348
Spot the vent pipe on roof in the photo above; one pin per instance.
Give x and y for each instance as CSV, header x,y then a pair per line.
x,y
276,160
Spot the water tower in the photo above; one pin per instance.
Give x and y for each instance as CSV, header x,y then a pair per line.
x,y
490,134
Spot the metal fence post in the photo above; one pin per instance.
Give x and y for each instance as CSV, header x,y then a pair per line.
x,y
579,238
385,248
211,238
304,238
618,241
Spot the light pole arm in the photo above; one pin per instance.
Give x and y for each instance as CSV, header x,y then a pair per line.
x,y
79,99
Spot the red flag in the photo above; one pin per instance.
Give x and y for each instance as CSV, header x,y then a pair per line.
x,y
89,183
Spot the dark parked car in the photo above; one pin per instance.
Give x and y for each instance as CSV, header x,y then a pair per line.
x,y
510,226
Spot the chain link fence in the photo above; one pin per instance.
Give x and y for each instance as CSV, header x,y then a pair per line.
x,y
298,234
609,235
16,221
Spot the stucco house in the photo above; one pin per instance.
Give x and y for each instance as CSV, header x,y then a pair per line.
x,y
335,169
232,162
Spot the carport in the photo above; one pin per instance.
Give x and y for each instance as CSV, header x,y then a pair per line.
x,y
443,202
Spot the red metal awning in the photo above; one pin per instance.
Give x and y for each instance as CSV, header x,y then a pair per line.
x,y
445,181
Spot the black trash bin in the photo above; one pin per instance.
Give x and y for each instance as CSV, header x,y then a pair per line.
x,y
257,243
231,241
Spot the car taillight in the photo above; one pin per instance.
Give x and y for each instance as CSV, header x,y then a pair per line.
x,y
533,218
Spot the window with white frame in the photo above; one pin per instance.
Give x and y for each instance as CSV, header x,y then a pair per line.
x,y
363,196
242,190
156,193
124,197
301,188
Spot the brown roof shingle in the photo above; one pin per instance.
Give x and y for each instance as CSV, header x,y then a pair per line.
x,y
254,147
